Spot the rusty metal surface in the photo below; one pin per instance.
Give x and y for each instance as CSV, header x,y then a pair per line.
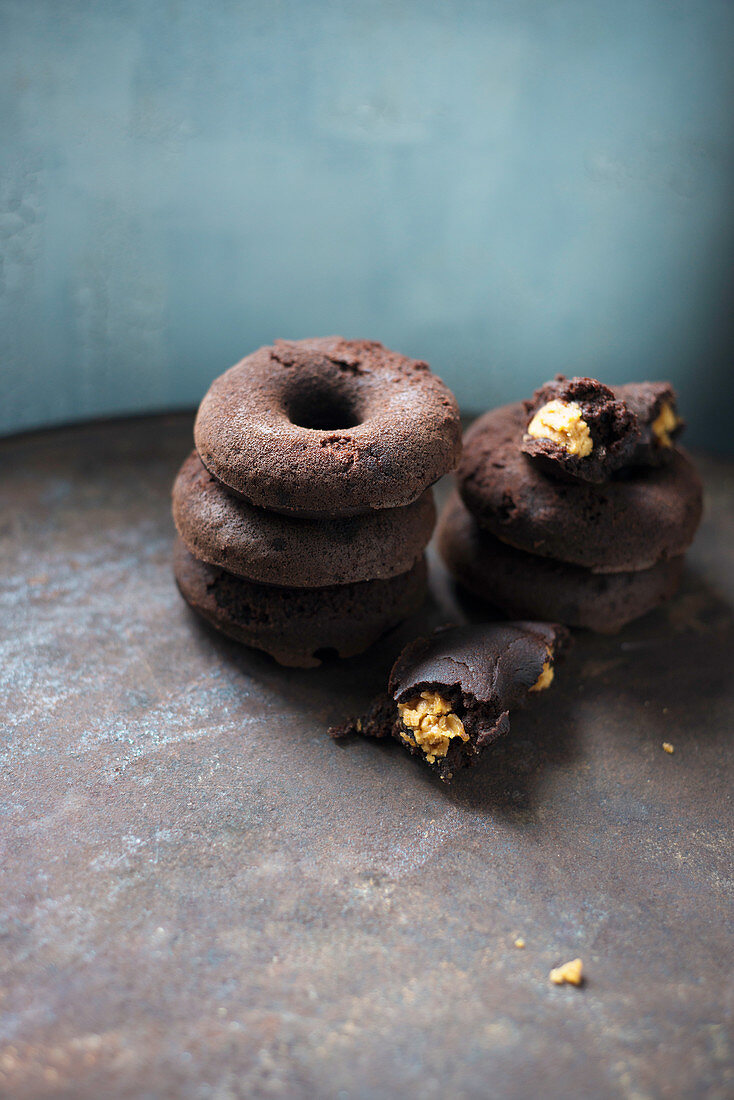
x,y
202,896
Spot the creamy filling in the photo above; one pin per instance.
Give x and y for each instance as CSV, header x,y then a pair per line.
x,y
665,423
546,675
563,424
430,724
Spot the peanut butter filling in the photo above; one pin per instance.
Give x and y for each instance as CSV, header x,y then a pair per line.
x,y
571,972
430,724
562,423
665,423
546,675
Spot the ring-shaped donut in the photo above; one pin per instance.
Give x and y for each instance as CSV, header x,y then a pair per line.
x,y
623,525
528,586
271,548
295,625
328,427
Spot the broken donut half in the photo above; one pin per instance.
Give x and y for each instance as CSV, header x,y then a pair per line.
x,y
450,695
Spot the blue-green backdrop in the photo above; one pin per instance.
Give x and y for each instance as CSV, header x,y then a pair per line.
x,y
508,189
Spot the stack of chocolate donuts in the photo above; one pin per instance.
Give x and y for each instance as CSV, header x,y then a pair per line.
x,y
576,506
304,511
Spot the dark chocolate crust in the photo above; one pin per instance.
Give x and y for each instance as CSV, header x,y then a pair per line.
x,y
293,624
328,427
527,586
484,670
492,664
624,525
271,548
612,427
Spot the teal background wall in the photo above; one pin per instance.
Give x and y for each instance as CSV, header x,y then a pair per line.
x,y
508,189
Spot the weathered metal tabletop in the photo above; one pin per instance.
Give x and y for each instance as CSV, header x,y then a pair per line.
x,y
203,896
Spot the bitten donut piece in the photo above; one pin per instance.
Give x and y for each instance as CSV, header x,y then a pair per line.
x,y
578,430
450,695
328,427
625,524
294,624
527,586
581,430
271,548
655,406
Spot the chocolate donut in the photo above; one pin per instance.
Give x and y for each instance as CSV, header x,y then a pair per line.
x,y
328,427
271,548
624,525
527,586
294,624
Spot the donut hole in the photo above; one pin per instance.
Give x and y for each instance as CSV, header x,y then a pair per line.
x,y
327,654
322,410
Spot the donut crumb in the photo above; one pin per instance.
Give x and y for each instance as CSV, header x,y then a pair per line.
x,y
570,973
667,747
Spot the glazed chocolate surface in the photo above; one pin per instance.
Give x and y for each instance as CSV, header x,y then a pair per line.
x,y
528,586
271,548
294,624
626,524
328,427
491,664
612,427
484,670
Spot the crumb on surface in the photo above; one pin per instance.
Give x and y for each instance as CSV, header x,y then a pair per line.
x,y
519,942
571,973
667,747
